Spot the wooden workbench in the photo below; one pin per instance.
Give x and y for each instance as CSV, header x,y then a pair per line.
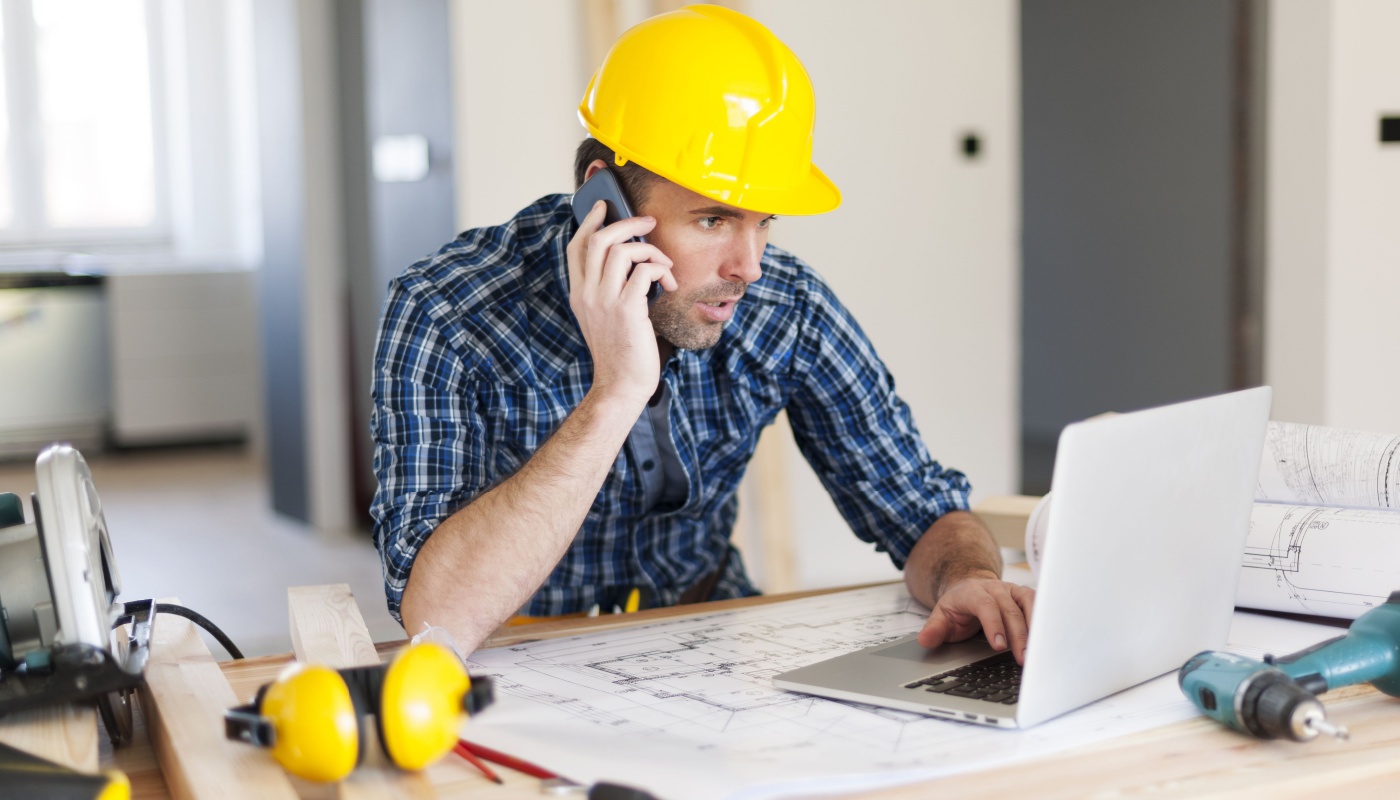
x,y
1189,759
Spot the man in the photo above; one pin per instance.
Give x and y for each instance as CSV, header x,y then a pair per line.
x,y
546,439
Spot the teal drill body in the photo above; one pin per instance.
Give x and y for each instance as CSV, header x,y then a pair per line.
x,y
1277,697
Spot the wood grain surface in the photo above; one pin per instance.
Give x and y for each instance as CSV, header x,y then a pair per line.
x,y
183,703
328,628
65,735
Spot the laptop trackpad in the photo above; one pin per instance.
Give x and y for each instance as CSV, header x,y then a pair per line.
x,y
910,650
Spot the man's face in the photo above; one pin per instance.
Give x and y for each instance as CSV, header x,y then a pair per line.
x,y
716,250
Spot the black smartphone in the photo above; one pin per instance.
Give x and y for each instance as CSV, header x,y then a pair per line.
x,y
604,186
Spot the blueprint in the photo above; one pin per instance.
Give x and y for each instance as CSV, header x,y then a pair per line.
x,y
1335,562
1324,535
1317,466
686,709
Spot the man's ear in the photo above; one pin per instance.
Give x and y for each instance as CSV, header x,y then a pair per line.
x,y
593,167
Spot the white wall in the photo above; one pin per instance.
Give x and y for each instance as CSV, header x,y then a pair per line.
x,y
1299,71
924,249
1363,248
518,74
1333,214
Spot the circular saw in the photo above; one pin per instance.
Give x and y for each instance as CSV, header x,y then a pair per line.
x,y
64,637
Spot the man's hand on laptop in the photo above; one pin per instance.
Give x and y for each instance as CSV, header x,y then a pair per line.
x,y
982,601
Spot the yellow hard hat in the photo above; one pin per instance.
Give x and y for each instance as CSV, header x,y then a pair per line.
x,y
711,100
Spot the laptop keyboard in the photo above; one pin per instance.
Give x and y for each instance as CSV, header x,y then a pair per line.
x,y
996,680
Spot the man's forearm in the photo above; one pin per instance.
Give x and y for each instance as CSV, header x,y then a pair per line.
x,y
484,562
955,547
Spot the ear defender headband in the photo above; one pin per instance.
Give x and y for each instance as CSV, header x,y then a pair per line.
x,y
312,717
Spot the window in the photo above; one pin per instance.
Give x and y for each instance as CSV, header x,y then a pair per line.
x,y
6,211
80,159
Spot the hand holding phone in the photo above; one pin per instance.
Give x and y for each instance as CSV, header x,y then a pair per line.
x,y
611,274
603,185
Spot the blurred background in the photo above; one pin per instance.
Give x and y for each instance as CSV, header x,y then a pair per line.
x,y
1053,208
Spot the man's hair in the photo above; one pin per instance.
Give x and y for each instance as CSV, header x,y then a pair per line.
x,y
636,180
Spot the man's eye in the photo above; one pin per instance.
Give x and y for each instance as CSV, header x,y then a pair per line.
x,y
709,223
767,221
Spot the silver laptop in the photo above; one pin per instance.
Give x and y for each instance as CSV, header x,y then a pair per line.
x,y
1141,563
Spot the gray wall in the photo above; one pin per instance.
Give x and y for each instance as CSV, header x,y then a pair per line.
x,y
1127,210
281,281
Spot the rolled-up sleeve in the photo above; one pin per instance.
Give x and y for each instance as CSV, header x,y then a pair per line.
x,y
859,436
427,436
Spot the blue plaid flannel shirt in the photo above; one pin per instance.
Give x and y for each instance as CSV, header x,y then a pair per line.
x,y
479,358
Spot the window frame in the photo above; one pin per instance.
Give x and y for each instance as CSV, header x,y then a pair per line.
x,y
27,229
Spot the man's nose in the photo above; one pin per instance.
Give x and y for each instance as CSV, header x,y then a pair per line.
x,y
743,263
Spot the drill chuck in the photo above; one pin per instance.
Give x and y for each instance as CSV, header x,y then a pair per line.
x,y
1282,709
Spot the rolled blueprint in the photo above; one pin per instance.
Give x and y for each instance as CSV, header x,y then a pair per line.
x,y
1316,466
1324,533
1334,562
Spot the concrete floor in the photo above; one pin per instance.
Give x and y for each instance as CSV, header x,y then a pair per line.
x,y
196,524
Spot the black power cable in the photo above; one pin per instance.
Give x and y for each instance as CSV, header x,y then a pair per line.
x,y
195,617
203,622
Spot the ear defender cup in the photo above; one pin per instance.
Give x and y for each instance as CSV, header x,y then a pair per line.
x,y
420,706
315,727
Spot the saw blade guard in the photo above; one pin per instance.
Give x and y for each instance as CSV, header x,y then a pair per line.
x,y
77,548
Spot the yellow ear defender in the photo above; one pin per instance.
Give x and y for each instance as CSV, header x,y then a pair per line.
x,y
312,716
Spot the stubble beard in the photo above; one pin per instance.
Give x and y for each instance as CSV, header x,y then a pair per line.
x,y
671,315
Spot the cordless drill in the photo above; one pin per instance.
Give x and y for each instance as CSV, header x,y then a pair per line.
x,y
1277,698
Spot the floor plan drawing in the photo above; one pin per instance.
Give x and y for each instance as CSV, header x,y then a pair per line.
x,y
716,677
686,707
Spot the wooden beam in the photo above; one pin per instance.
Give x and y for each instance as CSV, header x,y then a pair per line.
x,y
1006,517
328,628
600,28
663,6
774,495
183,703
65,734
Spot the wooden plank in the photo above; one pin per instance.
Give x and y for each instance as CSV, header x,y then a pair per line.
x,y
664,6
769,469
763,531
64,734
1199,758
137,760
328,628
183,703
1006,516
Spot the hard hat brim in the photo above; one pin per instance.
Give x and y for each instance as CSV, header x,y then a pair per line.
x,y
814,194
